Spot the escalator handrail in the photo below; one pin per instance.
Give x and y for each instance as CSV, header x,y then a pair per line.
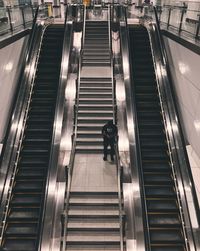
x,y
180,133
69,170
14,142
132,134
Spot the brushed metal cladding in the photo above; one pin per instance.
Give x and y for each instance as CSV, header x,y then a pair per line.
x,y
55,187
138,232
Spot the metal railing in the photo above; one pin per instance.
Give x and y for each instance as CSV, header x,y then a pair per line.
x,y
69,170
183,17
17,18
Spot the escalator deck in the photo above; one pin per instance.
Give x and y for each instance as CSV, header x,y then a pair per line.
x,y
163,215
23,222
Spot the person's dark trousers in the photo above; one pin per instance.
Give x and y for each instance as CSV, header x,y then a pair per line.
x,y
108,142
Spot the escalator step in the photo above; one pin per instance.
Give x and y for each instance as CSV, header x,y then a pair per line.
x,y
158,178
25,200
34,151
43,136
156,166
39,128
153,122
18,229
26,160
16,244
175,247
19,214
166,236
162,205
164,220
39,140
162,191
30,174
153,154
153,140
28,186
45,93
154,132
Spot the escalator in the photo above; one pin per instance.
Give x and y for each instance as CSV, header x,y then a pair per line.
x,y
164,228
23,222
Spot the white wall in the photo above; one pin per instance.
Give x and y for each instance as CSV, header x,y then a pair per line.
x,y
9,68
185,70
186,73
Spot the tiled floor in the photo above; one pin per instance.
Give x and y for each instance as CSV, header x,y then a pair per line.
x,y
91,173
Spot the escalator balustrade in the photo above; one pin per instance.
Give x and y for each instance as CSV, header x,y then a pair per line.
x,y
23,222
163,216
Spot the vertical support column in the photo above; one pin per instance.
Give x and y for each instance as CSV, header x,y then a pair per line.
x,y
10,20
56,8
168,21
181,21
32,10
23,17
198,27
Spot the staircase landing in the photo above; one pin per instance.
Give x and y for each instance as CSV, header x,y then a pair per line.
x,y
98,175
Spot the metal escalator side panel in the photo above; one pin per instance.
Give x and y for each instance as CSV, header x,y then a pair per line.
x,y
178,153
23,222
54,207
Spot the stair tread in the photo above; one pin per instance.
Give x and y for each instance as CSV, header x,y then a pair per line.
x,y
93,212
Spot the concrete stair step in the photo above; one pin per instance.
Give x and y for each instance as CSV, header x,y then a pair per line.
x,y
89,134
93,236
96,88
93,224
92,127
104,120
94,248
96,95
96,64
97,53
93,211
97,107
95,100
93,113
89,141
95,80
97,200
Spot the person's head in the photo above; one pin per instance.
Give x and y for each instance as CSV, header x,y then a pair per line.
x,y
110,122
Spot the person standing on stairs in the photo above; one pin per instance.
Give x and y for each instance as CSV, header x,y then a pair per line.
x,y
109,132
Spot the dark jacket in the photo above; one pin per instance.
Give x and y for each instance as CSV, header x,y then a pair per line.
x,y
109,131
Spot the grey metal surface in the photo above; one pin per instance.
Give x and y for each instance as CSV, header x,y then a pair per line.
x,y
135,206
185,189
55,186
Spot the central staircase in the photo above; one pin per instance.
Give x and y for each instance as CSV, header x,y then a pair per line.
x,y
95,106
